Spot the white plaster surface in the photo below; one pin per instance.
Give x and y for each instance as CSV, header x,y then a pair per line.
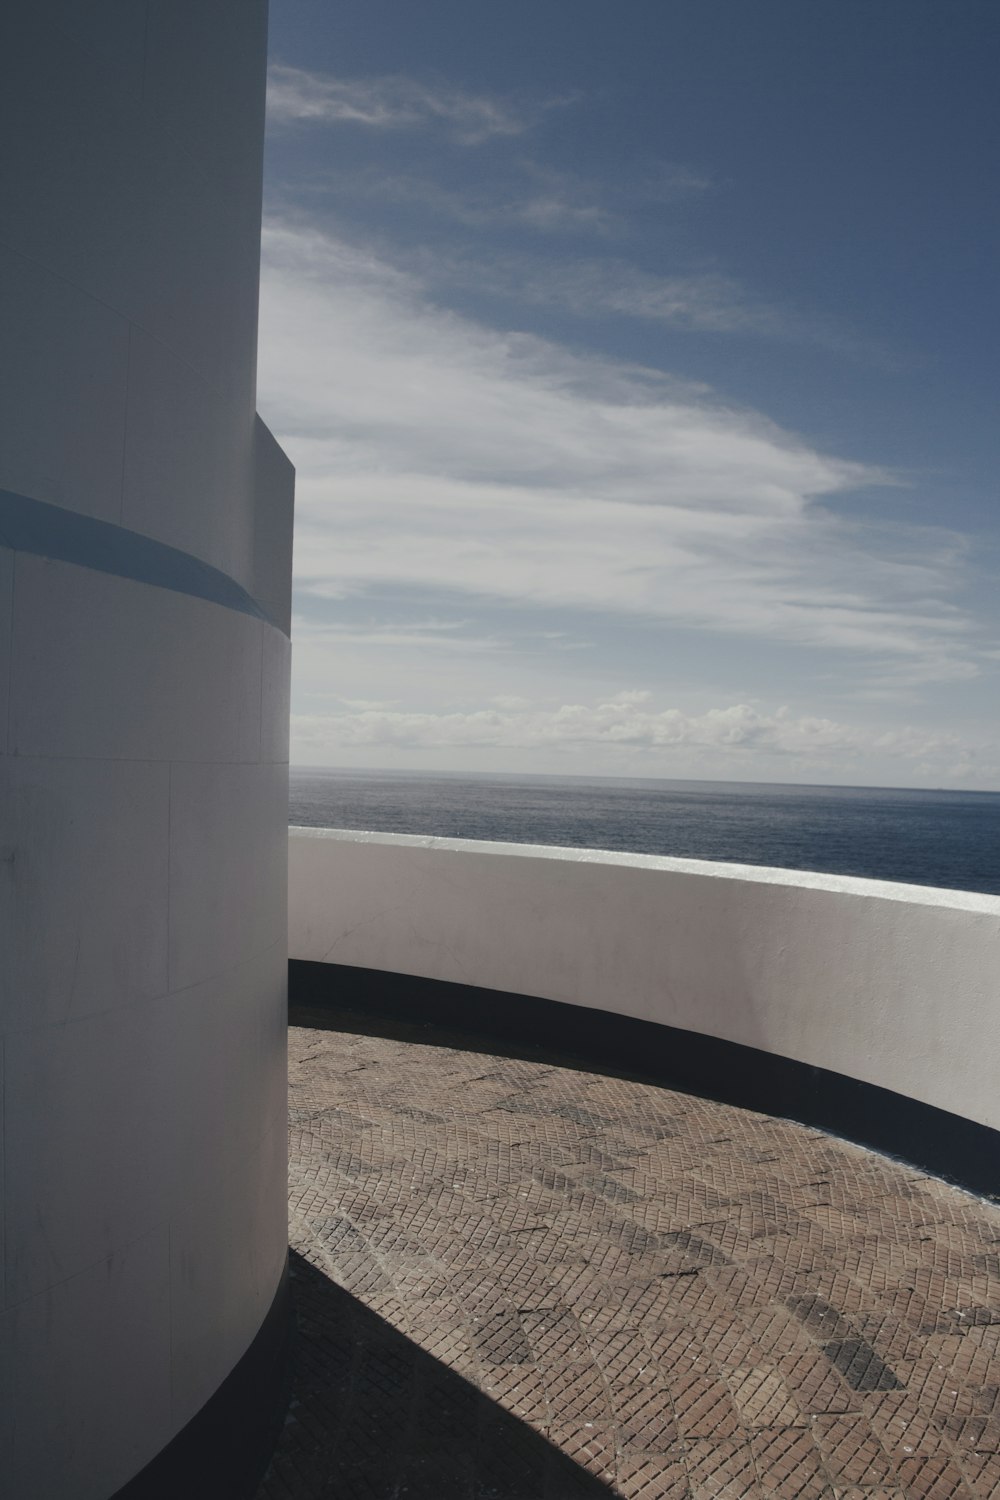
x,y
201,238
234,1015
87,1342
111,31
204,200
154,178
227,1250
62,421
891,984
141,674
91,1119
200,45
72,189
143,735
274,704
227,866
187,448
6,613
274,482
77,944
138,201
4,1394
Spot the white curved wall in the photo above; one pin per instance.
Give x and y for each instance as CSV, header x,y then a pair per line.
x,y
894,985
143,735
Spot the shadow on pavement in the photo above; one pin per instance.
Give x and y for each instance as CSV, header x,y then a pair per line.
x,y
375,1417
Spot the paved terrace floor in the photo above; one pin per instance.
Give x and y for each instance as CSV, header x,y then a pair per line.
x,y
520,1280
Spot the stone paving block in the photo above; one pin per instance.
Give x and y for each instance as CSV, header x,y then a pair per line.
x,y
861,1366
932,1479
521,1391
982,1472
653,1478
555,1336
577,1394
878,1493
852,1454
971,1353
727,1343
623,1358
980,1434
902,1425
644,1418
721,1469
589,1447
773,1328
703,1406
789,1465
762,1399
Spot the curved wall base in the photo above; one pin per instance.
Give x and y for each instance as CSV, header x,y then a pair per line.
x,y
224,1449
959,1150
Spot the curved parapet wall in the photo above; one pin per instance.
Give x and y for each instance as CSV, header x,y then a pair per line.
x,y
864,1006
145,536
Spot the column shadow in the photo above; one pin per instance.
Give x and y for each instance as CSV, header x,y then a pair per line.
x,y
373,1416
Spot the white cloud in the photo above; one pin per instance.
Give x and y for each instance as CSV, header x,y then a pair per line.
x,y
437,454
628,718
295,95
628,731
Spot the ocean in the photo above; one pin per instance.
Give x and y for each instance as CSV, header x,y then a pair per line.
x,y
921,837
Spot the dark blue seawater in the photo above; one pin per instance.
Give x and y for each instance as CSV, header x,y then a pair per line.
x,y
924,837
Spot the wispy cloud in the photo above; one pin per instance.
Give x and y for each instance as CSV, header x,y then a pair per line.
x,y
545,201
440,455
521,192
589,288
665,181
295,95
402,635
594,287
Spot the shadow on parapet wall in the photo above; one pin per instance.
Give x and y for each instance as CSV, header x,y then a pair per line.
x,y
438,1013
374,1415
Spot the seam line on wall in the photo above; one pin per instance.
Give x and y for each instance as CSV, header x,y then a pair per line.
x,y
170,862
249,962
102,1260
11,658
260,707
3,1160
209,380
125,407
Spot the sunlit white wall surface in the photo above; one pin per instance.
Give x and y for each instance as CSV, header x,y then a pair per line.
x,y
890,984
143,737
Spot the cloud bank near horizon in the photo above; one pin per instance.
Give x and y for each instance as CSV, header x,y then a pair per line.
x,y
628,734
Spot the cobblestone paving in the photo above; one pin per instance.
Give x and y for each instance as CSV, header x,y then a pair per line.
x,y
519,1280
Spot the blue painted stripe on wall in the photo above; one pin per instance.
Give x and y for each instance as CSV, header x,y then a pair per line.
x,y
28,525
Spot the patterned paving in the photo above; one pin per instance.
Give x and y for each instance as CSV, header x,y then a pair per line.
x,y
520,1280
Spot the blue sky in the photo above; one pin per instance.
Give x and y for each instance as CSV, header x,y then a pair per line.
x,y
638,363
